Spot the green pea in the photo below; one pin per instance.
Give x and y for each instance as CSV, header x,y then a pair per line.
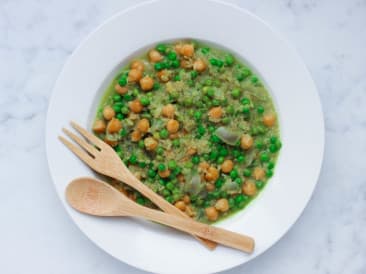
x,y
120,116
264,157
140,200
235,93
176,143
161,48
195,159
194,74
219,182
215,102
260,109
166,192
133,159
208,82
211,92
156,86
169,186
230,109
177,78
175,64
164,133
245,101
225,120
161,167
240,159
219,63
246,109
169,199
272,148
215,139
239,198
213,155
144,101
197,115
123,132
125,110
247,172
122,81
258,144
211,129
259,184
160,151
159,66
246,72
151,173
172,55
254,79
205,50
201,130
270,165
229,59
234,174
213,61
239,181
269,173
117,98
142,164
231,203
189,165
278,144
223,152
220,160
128,97
172,164
141,144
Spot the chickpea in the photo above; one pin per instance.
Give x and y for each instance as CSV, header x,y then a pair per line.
x,y
211,213
180,205
215,112
227,166
246,141
134,75
164,174
108,113
172,126
212,174
210,187
143,125
164,75
112,143
120,90
146,83
199,65
137,64
114,126
136,106
189,211
249,188
178,48
155,56
136,136
168,111
191,151
150,143
181,178
174,136
187,50
186,199
186,64
203,166
222,205
269,120
99,126
259,173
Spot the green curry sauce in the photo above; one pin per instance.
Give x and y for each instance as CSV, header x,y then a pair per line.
x,y
193,123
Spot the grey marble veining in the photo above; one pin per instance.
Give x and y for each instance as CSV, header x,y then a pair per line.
x,y
37,236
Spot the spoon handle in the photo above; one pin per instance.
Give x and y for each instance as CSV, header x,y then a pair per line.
x,y
219,235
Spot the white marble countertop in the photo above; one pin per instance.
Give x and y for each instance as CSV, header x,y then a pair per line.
x,y
37,236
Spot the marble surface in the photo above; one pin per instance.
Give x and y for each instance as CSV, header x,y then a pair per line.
x,y
37,236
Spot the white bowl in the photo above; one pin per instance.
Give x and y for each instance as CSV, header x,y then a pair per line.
x,y
90,68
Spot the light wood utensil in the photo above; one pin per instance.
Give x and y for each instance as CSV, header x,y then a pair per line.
x,y
95,197
102,158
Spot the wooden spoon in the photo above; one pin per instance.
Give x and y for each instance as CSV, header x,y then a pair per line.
x,y
95,197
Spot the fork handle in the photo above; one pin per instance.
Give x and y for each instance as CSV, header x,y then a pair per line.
x,y
222,236
132,181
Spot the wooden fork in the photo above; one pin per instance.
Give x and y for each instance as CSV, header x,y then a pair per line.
x,y
101,157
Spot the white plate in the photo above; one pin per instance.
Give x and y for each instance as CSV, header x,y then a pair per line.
x,y
79,87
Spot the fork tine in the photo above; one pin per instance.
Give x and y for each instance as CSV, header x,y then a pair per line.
x,y
85,145
89,136
77,151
